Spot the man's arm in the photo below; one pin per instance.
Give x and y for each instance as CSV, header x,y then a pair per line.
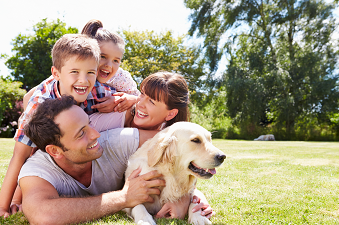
x,y
42,204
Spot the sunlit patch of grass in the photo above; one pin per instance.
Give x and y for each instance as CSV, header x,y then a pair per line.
x,y
262,183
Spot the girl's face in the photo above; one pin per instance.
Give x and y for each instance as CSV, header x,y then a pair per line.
x,y
110,61
150,114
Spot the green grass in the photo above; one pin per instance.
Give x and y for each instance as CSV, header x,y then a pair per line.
x,y
259,183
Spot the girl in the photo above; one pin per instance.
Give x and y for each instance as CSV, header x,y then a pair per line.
x,y
112,48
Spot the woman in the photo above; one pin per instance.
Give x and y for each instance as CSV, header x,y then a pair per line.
x,y
163,101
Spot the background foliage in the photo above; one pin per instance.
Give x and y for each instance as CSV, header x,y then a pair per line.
x,y
280,78
32,61
10,106
281,74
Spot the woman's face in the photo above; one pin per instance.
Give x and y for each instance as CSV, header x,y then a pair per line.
x,y
150,114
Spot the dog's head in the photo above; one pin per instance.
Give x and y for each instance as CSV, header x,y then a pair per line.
x,y
186,147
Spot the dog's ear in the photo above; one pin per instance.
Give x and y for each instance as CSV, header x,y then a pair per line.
x,y
164,150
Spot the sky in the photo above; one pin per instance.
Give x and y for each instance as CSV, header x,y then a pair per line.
x,y
19,16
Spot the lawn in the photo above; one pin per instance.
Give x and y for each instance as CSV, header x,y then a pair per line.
x,y
259,183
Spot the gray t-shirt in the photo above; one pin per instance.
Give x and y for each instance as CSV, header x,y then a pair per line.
x,y
107,171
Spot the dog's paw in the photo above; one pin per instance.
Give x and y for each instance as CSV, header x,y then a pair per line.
x,y
197,219
146,220
141,222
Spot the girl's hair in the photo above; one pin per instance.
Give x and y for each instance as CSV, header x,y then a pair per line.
x,y
94,29
170,88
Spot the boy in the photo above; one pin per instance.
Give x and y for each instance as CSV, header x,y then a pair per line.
x,y
75,61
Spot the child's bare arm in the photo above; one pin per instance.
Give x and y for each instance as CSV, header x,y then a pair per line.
x,y
27,96
20,154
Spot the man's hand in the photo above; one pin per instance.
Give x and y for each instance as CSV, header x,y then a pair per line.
x,y
107,104
205,208
175,210
126,101
138,189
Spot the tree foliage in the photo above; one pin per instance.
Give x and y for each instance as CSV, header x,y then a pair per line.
x,y
32,60
147,52
10,107
281,62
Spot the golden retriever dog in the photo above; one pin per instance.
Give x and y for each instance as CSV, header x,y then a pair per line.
x,y
182,152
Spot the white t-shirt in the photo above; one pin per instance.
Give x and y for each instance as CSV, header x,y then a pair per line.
x,y
107,171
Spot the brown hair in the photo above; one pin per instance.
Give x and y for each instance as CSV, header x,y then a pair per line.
x,y
94,29
41,129
74,45
170,88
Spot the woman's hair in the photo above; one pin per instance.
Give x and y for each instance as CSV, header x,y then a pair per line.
x,y
94,29
170,88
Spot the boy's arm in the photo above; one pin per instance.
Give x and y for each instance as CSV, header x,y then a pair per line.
x,y
20,154
27,96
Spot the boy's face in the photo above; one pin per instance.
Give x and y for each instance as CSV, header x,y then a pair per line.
x,y
77,77
110,61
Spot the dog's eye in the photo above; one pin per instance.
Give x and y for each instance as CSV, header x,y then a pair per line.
x,y
196,140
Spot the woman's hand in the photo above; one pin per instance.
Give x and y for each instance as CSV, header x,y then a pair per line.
x,y
205,208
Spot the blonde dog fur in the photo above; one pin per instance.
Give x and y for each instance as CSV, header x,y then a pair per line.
x,y
182,152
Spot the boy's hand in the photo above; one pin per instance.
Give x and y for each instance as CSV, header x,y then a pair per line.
x,y
107,104
126,101
4,213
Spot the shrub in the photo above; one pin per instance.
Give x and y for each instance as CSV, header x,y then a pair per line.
x,y
10,106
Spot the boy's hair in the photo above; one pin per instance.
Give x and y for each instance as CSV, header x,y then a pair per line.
x,y
41,128
170,88
94,29
70,45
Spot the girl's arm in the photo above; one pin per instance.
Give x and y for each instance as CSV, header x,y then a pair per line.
x,y
20,154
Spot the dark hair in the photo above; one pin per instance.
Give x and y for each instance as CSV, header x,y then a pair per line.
x,y
170,88
94,29
41,128
78,45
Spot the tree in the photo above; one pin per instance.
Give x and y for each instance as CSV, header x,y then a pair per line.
x,y
147,52
282,60
32,60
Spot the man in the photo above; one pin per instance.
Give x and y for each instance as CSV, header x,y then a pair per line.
x,y
72,162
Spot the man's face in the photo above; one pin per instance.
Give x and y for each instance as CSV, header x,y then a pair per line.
x,y
77,77
79,138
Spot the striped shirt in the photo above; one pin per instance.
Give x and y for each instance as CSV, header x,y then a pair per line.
x,y
49,89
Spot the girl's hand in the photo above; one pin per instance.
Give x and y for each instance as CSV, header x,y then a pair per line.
x,y
106,104
126,101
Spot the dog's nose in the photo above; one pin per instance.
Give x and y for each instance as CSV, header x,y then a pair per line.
x,y
220,158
